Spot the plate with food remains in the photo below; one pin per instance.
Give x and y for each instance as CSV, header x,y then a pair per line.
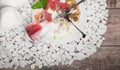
x,y
51,18
50,32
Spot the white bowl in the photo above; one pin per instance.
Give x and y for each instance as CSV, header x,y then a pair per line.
x,y
12,3
10,19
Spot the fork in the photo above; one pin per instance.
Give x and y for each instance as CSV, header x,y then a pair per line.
x,y
65,15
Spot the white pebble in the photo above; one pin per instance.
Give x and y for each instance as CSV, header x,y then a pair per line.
x,y
32,66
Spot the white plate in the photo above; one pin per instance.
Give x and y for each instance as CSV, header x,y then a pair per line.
x,y
63,37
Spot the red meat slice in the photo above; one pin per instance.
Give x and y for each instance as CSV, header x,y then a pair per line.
x,y
45,16
65,6
33,31
48,16
53,0
54,4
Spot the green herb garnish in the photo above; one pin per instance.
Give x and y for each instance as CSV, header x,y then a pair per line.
x,y
54,37
40,4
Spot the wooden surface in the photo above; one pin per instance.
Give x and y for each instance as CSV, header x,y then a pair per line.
x,y
113,32
108,56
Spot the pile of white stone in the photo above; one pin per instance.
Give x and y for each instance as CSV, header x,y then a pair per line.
x,y
16,49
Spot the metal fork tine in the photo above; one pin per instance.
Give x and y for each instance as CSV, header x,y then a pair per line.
x,y
75,5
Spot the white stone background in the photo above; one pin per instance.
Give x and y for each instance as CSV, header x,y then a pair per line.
x,y
17,49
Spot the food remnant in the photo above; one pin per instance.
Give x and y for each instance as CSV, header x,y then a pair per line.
x,y
54,37
76,15
33,30
51,10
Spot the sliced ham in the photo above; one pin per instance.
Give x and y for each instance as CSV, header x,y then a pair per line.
x,y
33,31
63,6
45,17
56,4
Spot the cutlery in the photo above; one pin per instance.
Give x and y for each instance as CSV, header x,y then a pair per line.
x,y
75,5
65,15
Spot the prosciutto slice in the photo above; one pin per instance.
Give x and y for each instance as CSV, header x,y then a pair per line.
x,y
34,30
56,4
45,17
